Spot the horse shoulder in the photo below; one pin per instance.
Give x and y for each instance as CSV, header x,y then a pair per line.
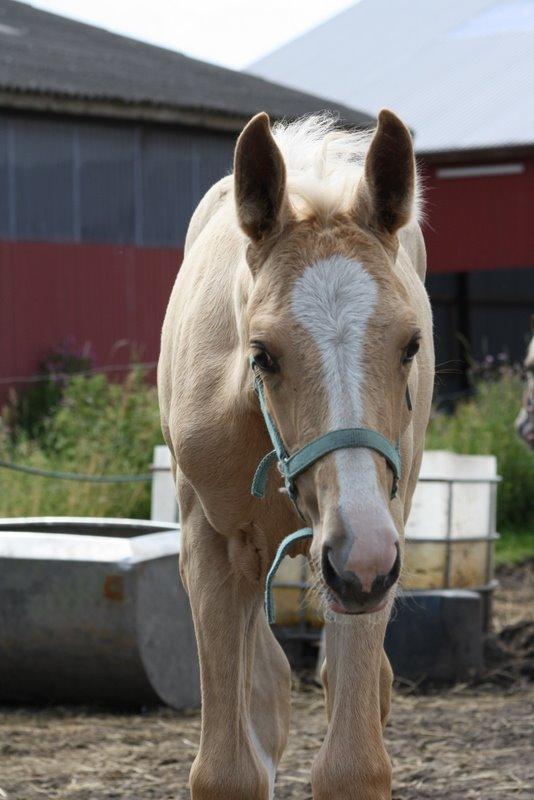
x,y
197,269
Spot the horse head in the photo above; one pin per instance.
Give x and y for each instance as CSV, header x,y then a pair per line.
x,y
334,332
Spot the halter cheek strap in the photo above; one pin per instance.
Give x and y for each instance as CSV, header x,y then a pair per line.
x,y
291,466
285,544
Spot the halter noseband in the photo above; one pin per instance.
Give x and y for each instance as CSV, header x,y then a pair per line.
x,y
291,466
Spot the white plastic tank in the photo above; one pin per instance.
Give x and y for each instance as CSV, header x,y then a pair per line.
x,y
451,529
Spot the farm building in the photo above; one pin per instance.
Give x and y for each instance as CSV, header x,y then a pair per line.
x,y
461,73
106,146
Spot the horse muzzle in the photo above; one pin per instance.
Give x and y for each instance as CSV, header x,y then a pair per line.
x,y
358,583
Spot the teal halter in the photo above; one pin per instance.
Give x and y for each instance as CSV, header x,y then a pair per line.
x,y
291,466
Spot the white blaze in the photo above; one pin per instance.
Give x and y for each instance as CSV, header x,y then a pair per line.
x,y
333,300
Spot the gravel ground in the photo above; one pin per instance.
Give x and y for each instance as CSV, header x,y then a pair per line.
x,y
465,743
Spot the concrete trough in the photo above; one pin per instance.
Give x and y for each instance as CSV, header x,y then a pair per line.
x,y
93,611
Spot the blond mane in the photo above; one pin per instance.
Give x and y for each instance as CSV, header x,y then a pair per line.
x,y
324,164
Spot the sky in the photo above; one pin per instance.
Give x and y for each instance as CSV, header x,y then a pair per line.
x,y
232,33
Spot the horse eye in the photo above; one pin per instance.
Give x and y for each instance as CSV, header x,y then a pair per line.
x,y
264,361
411,350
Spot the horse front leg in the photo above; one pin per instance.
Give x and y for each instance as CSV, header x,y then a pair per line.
x,y
245,677
386,683
352,763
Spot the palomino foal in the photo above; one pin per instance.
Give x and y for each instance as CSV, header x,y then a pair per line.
x,y
307,262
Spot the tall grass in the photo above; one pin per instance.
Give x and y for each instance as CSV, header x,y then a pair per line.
x,y
100,428
484,424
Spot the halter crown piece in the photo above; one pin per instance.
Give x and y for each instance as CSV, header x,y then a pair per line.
x,y
292,465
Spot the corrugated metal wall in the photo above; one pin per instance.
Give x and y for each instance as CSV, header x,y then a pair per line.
x,y
479,222
480,243
93,217
500,303
111,297
113,201
80,181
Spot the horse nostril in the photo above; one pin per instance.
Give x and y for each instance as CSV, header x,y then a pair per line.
x,y
332,575
394,572
330,572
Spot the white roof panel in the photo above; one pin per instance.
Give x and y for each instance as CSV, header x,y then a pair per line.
x,y
460,72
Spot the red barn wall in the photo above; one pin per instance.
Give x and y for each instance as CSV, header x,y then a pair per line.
x,y
93,215
114,296
477,223
111,296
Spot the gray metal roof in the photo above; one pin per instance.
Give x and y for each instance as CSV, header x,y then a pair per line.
x,y
45,54
460,72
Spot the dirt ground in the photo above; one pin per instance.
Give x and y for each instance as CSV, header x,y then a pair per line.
x,y
465,743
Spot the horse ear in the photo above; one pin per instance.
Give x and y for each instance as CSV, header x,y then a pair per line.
x,y
385,198
259,179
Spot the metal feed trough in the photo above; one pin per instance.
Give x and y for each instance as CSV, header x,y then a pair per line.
x,y
93,610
